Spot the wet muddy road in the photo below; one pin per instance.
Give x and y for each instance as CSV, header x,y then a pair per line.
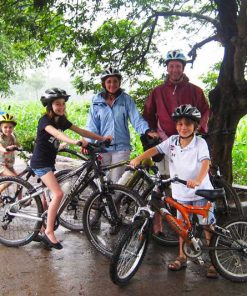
x,y
78,269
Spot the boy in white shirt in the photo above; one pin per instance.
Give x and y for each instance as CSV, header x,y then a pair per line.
x,y
189,159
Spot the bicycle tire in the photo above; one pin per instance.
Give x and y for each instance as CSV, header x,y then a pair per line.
x,y
129,253
71,217
231,264
18,231
99,230
231,207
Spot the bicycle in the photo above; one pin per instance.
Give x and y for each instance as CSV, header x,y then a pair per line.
x,y
144,179
70,218
227,249
21,219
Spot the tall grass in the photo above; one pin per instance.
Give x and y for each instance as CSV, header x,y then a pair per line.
x,y
28,114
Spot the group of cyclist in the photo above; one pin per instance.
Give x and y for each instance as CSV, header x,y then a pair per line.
x,y
173,112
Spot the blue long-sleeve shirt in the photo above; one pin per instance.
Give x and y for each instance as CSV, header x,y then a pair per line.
x,y
105,120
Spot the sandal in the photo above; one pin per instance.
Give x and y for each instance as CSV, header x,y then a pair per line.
x,y
212,273
178,264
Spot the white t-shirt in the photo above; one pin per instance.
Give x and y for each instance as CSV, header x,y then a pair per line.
x,y
186,164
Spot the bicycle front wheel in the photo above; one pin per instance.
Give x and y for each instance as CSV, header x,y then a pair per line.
x,y
98,227
229,254
20,221
129,252
71,216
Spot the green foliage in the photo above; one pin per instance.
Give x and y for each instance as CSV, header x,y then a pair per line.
x,y
27,116
210,78
99,51
11,60
143,89
239,153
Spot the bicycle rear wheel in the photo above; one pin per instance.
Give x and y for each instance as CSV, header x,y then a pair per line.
x,y
19,221
230,251
229,208
129,252
100,231
71,217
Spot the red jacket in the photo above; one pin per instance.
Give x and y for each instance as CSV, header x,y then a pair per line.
x,y
166,97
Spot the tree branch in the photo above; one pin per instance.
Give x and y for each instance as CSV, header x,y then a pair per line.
x,y
189,14
194,49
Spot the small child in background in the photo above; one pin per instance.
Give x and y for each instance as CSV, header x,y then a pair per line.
x,y
8,142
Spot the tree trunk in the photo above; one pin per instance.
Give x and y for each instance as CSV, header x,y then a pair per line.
x,y
229,98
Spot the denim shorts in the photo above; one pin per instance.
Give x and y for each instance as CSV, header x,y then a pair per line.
x,y
42,171
201,202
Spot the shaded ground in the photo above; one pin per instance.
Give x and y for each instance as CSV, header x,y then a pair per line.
x,y
80,270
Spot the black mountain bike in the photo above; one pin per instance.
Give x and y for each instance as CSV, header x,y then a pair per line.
x,y
21,210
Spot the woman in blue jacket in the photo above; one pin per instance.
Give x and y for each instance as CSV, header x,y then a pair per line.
x,y
109,114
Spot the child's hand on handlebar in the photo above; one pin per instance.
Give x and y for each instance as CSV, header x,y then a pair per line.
x,y
193,183
135,162
82,143
11,148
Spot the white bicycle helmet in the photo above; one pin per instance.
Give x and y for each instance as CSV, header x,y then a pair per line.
x,y
187,111
175,55
110,72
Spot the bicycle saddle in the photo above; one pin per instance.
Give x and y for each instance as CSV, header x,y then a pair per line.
x,y
211,194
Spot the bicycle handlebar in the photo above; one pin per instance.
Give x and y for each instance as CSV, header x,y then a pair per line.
x,y
14,149
155,170
98,146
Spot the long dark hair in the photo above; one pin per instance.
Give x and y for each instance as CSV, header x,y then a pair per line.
x,y
52,115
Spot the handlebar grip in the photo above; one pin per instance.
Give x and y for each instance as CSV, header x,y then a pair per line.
x,y
180,180
14,149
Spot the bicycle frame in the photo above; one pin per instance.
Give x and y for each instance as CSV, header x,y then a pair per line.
x,y
183,227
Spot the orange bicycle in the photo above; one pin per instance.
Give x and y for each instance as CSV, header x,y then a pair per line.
x,y
227,249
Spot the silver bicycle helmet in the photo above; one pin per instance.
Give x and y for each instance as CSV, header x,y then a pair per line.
x,y
187,111
175,55
52,94
110,72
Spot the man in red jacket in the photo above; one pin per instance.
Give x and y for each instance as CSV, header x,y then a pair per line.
x,y
174,92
